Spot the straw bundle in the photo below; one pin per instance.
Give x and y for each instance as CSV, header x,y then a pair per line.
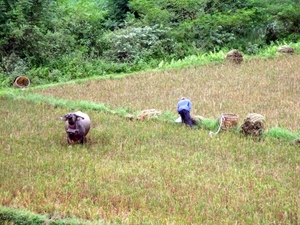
x,y
195,119
234,56
129,116
286,50
147,114
254,124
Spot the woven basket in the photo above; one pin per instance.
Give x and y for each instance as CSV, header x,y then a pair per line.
x,y
21,82
229,120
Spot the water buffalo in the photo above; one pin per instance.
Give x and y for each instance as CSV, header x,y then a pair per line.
x,y
77,126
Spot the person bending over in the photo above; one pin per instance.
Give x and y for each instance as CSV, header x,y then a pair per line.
x,y
184,108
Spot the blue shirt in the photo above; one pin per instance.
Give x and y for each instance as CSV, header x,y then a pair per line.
x,y
184,104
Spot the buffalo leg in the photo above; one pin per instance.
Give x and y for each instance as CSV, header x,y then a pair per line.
x,y
69,141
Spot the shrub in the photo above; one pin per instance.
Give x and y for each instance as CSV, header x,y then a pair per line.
x,y
134,43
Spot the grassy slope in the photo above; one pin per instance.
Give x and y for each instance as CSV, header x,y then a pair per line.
x,y
155,172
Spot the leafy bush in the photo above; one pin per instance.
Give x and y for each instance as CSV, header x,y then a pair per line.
x,y
13,64
132,44
54,41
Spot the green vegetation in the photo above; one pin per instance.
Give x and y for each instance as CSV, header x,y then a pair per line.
x,y
56,41
9,216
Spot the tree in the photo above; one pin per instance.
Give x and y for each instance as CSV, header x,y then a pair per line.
x,y
117,13
30,32
284,20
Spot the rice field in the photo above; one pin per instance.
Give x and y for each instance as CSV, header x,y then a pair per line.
x,y
268,87
157,172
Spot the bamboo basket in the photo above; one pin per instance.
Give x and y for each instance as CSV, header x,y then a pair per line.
x,y
21,82
228,121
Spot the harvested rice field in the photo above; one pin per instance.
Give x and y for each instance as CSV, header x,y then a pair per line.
x,y
268,87
155,171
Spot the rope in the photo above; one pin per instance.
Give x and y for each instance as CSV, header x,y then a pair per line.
x,y
222,118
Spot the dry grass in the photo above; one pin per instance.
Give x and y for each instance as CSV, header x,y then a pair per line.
x,y
149,172
268,87
156,172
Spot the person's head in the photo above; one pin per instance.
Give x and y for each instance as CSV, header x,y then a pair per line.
x,y
182,98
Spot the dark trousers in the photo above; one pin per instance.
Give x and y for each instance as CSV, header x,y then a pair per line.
x,y
186,117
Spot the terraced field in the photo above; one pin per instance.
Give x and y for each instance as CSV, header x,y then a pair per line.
x,y
156,171
269,87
